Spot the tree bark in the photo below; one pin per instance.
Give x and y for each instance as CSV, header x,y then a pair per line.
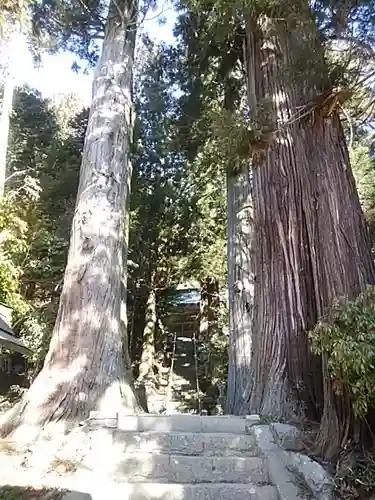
x,y
208,306
311,240
282,365
84,368
148,344
126,342
240,289
213,304
343,259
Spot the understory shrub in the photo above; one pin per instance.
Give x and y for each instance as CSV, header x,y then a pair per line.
x,y
345,335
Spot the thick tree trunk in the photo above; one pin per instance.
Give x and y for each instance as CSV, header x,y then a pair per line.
x,y
284,307
311,239
148,344
343,260
84,368
240,289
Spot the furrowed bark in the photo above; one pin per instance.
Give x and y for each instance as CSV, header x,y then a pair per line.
x,y
344,263
285,374
84,368
311,239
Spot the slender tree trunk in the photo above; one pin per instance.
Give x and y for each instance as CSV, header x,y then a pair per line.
x,y
148,345
213,304
311,239
84,368
10,38
208,308
203,313
126,342
6,109
240,289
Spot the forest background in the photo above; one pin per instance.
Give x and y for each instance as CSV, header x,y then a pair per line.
x,y
215,199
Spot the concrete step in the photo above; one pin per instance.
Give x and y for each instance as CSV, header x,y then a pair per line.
x,y
175,423
159,491
148,467
197,444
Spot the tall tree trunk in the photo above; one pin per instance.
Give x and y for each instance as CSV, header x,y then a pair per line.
x,y
213,304
311,239
284,307
208,305
84,368
203,313
6,109
126,343
240,289
208,317
148,344
9,39
343,263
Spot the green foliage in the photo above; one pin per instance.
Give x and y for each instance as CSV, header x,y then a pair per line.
x,y
346,337
12,11
157,202
20,234
14,235
355,478
364,173
213,353
35,214
78,27
35,327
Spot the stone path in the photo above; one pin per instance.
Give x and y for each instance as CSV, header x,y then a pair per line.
x,y
170,457
187,457
178,457
184,395
184,456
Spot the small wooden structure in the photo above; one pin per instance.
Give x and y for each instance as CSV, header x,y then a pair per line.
x,y
7,337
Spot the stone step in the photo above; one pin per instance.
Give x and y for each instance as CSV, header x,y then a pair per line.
x,y
175,443
159,491
175,423
148,467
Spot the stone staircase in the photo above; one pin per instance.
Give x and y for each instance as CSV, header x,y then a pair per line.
x,y
179,457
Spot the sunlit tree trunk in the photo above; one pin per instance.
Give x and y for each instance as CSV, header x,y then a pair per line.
x,y
240,288
126,342
203,313
6,109
213,304
148,342
10,31
84,369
